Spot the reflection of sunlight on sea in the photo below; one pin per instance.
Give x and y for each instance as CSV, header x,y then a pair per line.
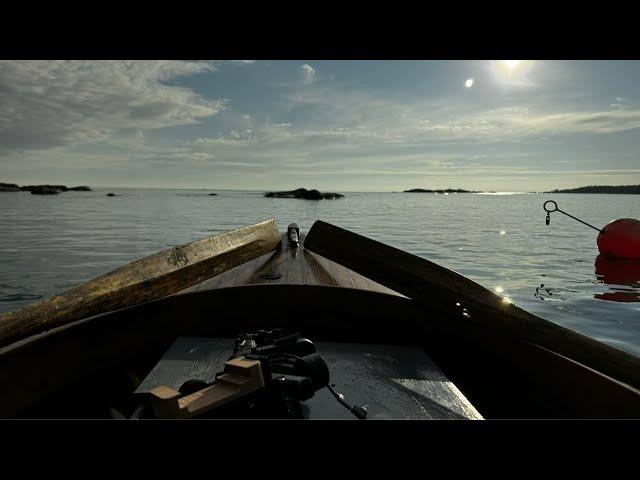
x,y
548,270
502,193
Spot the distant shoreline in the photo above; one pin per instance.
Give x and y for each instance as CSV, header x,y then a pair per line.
x,y
602,189
616,189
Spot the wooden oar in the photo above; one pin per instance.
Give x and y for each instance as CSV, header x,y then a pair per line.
x,y
463,300
149,278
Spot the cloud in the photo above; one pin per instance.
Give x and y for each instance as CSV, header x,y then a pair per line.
x,y
48,104
100,115
520,122
619,103
341,112
307,74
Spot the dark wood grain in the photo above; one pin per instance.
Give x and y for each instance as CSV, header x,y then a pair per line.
x,y
505,377
149,278
236,277
297,266
463,301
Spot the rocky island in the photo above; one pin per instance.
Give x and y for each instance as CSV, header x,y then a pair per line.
x,y
628,189
42,189
448,190
9,187
305,194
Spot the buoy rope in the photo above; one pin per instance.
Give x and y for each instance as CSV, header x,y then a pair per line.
x,y
556,209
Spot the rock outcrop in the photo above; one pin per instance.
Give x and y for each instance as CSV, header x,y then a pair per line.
x,y
448,190
45,190
40,188
9,187
305,194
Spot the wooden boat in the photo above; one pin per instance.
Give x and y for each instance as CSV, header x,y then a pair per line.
x,y
404,335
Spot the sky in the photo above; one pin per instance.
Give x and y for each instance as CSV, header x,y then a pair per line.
x,y
501,125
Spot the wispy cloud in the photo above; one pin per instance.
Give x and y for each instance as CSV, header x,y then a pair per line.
x,y
307,74
60,103
173,115
496,125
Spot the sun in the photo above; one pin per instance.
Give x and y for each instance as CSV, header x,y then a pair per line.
x,y
512,64
512,72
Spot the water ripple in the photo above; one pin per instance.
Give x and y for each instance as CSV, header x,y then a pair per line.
x,y
52,244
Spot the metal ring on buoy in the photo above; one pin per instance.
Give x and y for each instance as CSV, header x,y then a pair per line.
x,y
555,206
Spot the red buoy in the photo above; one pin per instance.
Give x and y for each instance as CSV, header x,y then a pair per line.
x,y
620,239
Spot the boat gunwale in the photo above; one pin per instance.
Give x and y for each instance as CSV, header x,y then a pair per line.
x,y
46,334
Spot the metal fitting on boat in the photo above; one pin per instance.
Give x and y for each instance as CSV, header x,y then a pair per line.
x,y
293,234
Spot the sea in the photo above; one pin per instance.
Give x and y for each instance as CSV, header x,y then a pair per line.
x,y
51,243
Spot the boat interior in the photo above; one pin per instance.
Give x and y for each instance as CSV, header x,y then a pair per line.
x,y
399,358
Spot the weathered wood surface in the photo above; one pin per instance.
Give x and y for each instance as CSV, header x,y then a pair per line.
x,y
241,377
149,278
465,302
297,266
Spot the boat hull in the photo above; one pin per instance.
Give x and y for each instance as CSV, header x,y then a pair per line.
x,y
80,368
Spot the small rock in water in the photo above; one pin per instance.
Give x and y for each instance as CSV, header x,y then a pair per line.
x,y
213,194
111,195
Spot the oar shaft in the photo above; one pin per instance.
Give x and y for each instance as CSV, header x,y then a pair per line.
x,y
149,278
432,286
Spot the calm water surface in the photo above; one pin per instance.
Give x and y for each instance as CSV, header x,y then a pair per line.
x,y
51,243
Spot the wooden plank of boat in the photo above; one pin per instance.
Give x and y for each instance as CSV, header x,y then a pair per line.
x,y
463,301
149,278
296,266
